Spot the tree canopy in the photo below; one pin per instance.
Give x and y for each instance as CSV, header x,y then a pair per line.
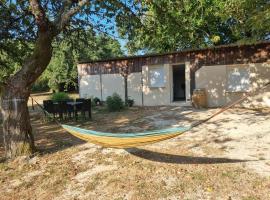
x,y
62,70
169,25
69,18
85,32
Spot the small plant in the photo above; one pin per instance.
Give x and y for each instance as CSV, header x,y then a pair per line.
x,y
130,102
114,102
97,101
60,96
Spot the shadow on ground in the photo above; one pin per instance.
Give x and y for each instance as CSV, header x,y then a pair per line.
x,y
49,136
179,159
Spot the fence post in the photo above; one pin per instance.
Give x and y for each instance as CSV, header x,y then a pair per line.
x,y
32,103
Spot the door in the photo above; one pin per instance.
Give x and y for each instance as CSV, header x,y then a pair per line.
x,y
179,83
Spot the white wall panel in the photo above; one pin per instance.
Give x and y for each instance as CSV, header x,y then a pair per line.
x,y
90,86
135,87
112,83
218,84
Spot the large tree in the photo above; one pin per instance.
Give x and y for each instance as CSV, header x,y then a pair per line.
x,y
39,23
170,25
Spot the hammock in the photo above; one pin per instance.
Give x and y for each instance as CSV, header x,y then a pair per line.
x,y
128,140
124,140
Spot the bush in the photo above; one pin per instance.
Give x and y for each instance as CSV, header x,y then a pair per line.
x,y
130,102
60,96
40,86
114,102
97,101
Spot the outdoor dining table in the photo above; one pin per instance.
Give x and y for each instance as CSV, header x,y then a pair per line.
x,y
68,107
74,104
69,103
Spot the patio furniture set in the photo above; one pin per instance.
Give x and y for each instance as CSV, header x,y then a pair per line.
x,y
68,108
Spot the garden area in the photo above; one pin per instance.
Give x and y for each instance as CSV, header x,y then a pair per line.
x,y
233,148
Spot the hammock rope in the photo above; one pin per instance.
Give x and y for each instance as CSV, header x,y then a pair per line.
x,y
128,140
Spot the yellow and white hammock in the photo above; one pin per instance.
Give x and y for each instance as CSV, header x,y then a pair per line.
x,y
128,140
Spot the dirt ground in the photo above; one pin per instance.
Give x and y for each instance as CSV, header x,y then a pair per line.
x,y
226,158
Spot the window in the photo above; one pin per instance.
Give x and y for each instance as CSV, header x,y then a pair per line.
x,y
156,76
238,79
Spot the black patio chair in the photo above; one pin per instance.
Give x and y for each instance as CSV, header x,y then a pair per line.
x,y
78,106
86,107
70,108
49,107
62,109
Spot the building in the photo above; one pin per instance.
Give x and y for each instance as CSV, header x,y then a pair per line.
x,y
225,72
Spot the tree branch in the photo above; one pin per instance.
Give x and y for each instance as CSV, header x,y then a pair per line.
x,y
67,12
39,14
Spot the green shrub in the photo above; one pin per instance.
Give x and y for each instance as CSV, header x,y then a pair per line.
x,y
114,102
130,102
60,96
41,85
97,101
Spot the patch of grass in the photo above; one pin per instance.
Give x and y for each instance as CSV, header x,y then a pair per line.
x,y
113,181
60,182
100,110
199,176
119,198
3,166
28,184
92,184
261,158
250,198
228,174
54,180
232,174
63,143
180,186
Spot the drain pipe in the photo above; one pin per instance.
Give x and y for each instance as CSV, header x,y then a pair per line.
x,y
100,81
142,88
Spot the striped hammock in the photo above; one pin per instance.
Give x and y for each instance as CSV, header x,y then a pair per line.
x,y
124,140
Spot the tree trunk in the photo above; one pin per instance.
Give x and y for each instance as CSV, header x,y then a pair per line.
x,y
18,137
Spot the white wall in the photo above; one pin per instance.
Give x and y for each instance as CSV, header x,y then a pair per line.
x,y
90,86
135,87
215,80
259,75
156,96
112,83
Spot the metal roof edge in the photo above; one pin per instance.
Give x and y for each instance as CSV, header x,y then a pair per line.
x,y
174,52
